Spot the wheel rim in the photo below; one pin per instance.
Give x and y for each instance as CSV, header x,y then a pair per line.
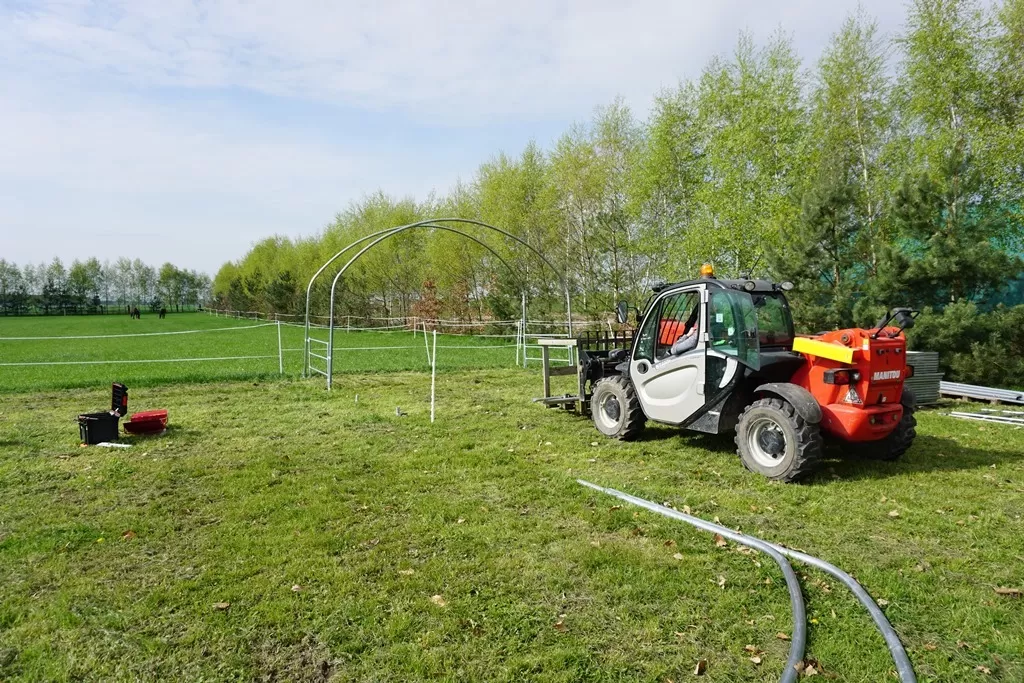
x,y
610,411
766,442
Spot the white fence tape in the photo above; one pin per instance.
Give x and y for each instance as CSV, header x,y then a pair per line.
x,y
118,362
138,334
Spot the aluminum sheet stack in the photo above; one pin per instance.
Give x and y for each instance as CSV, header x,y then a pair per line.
x,y
927,376
982,393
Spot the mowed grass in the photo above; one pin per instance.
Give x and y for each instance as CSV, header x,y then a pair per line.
x,y
208,348
279,532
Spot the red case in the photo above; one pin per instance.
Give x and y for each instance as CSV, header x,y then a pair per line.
x,y
147,422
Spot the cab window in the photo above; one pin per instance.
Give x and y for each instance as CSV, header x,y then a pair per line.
x,y
732,326
774,322
680,314
675,316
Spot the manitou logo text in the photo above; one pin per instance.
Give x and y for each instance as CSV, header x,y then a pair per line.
x,y
885,374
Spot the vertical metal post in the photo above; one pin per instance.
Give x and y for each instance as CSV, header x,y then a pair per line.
x,y
330,345
280,351
426,344
519,331
523,319
568,308
545,359
433,376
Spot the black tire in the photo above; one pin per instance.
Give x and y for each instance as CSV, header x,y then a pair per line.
x,y
892,447
773,440
616,410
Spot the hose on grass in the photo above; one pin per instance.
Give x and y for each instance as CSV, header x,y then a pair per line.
x,y
799,640
892,639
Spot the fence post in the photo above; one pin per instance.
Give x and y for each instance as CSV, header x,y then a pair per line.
x,y
518,332
433,376
524,328
280,350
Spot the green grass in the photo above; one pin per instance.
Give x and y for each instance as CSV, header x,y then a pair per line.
x,y
120,355
112,561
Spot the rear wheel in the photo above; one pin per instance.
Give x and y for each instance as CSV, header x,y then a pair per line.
x,y
892,447
616,409
775,441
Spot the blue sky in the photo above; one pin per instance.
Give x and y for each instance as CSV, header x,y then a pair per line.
x,y
185,131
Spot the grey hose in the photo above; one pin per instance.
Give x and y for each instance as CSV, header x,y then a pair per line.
x,y
892,640
799,641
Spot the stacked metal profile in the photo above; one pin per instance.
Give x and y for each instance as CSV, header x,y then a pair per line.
x,y
1006,417
981,393
926,379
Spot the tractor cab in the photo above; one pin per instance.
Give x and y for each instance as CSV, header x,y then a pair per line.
x,y
699,340
717,356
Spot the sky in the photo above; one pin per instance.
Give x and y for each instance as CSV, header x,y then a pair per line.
x,y
187,131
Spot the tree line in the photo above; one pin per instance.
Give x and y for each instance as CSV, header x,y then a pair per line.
x,y
890,172
93,287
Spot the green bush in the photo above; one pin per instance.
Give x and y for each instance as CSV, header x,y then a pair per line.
x,y
977,347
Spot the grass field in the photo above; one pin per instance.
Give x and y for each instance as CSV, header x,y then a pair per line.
x,y
277,532
117,358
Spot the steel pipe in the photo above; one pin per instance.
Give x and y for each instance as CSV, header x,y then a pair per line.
x,y
428,224
799,640
892,640
381,237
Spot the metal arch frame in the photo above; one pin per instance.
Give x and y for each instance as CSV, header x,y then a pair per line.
x,y
421,224
384,234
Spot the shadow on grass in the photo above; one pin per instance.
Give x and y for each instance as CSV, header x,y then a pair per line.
x,y
928,454
172,430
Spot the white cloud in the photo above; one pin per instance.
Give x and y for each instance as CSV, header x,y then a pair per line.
x,y
181,130
116,176
432,60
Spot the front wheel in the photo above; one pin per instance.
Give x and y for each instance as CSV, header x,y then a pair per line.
x,y
615,408
775,441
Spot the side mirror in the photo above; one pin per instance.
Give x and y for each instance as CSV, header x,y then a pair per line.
x,y
904,318
622,312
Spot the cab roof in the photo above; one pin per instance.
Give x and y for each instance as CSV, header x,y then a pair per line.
x,y
763,286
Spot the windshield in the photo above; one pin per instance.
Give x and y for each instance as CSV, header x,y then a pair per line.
x,y
732,326
774,322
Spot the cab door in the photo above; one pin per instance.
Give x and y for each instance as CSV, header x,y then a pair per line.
x,y
671,386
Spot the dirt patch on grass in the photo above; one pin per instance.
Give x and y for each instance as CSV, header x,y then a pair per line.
x,y
308,660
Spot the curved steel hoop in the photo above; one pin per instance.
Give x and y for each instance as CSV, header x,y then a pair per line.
x,y
380,236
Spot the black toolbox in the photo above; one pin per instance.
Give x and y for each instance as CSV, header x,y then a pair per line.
x,y
94,428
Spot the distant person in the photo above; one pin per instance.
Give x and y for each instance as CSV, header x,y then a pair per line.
x,y
136,314
163,313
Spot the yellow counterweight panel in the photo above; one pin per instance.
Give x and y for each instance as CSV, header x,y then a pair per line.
x,y
813,347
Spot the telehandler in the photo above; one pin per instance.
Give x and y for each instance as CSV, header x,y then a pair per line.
x,y
719,356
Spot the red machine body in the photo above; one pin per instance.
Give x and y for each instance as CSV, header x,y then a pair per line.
x,y
860,401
